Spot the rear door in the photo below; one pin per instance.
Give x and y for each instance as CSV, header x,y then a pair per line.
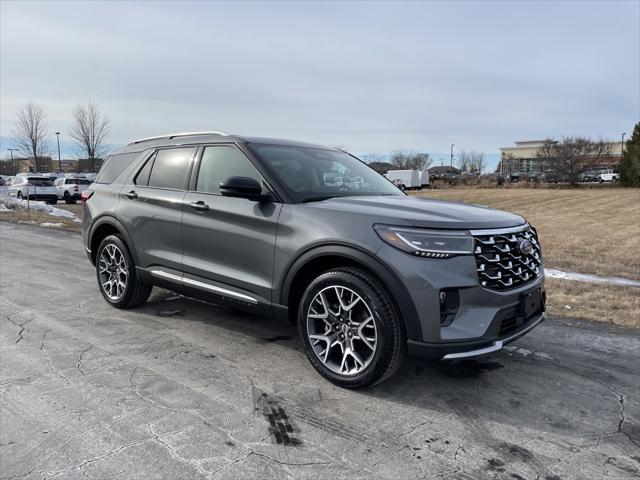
x,y
228,242
150,207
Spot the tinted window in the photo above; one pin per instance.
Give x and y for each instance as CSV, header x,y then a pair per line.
x,y
78,181
309,173
114,166
170,168
40,182
219,163
143,175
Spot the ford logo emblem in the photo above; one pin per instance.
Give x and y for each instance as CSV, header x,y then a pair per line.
x,y
525,246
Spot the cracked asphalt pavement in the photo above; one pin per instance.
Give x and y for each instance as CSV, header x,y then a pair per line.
x,y
180,389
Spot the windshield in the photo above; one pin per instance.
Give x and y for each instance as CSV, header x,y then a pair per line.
x,y
315,174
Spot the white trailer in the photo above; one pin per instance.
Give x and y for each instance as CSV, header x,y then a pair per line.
x,y
424,178
408,179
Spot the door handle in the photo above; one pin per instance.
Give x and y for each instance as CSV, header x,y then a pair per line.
x,y
199,205
131,195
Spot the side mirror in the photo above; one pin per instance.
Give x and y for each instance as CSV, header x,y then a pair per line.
x,y
243,187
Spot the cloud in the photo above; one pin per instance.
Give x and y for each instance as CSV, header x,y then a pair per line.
x,y
372,76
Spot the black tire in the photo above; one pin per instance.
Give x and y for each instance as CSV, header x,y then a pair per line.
x,y
19,195
391,344
67,198
135,292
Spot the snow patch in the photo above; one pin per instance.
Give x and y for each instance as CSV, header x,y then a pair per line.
x,y
528,353
34,205
586,277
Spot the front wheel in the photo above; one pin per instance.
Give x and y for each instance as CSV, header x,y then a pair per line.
x,y
116,275
350,329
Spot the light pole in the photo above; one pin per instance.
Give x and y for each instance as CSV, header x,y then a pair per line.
x,y
13,165
451,166
59,161
622,148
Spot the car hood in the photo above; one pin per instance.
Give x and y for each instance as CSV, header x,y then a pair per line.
x,y
423,212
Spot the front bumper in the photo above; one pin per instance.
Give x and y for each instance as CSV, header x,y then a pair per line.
x,y
485,319
451,351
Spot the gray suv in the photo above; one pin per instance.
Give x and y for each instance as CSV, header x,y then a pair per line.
x,y
313,236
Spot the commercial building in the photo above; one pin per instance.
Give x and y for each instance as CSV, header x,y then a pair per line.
x,y
523,158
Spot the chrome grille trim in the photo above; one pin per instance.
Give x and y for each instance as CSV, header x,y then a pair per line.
x,y
500,263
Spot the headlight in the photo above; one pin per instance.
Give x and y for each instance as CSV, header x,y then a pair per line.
x,y
427,243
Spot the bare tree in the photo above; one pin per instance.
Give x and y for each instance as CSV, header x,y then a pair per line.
x,y
567,159
90,130
31,133
407,160
472,162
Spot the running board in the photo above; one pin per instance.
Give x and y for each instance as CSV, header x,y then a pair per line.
x,y
204,286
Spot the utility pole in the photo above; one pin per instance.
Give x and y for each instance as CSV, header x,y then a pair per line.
x,y
13,165
59,160
451,166
622,148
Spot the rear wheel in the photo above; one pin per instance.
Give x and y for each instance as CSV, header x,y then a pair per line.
x,y
350,329
19,195
67,198
116,274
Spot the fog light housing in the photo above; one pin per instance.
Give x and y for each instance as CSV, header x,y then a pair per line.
x,y
449,305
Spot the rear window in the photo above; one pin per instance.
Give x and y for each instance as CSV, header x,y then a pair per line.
x,y
77,181
114,166
40,182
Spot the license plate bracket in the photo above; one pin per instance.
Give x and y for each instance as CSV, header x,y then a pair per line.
x,y
531,303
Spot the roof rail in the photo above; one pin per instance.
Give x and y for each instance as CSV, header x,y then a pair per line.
x,y
173,135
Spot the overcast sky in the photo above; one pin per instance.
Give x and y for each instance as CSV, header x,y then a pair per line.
x,y
373,77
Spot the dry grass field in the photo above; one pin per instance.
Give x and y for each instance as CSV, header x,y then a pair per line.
x,y
595,230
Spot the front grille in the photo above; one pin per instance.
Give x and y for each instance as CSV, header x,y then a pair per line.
x,y
500,262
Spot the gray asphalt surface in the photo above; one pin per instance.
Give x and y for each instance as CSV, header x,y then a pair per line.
x,y
179,389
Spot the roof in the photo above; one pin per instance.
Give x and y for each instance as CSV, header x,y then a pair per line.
x,y
195,138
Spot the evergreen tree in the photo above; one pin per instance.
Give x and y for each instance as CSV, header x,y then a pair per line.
x,y
630,164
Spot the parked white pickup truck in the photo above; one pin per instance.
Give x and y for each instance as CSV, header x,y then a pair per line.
x,y
70,188
608,176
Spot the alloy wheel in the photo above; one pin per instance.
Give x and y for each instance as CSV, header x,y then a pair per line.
x,y
342,330
114,272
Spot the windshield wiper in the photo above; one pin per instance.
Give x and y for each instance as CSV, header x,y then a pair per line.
x,y
317,198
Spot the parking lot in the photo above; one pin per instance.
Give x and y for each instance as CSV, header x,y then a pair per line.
x,y
179,389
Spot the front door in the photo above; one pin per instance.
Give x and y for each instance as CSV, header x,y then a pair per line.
x,y
228,242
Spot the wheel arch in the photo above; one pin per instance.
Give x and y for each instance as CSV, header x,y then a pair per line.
x,y
312,262
102,228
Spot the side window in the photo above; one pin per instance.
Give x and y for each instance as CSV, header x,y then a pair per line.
x,y
114,166
170,168
143,175
219,163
